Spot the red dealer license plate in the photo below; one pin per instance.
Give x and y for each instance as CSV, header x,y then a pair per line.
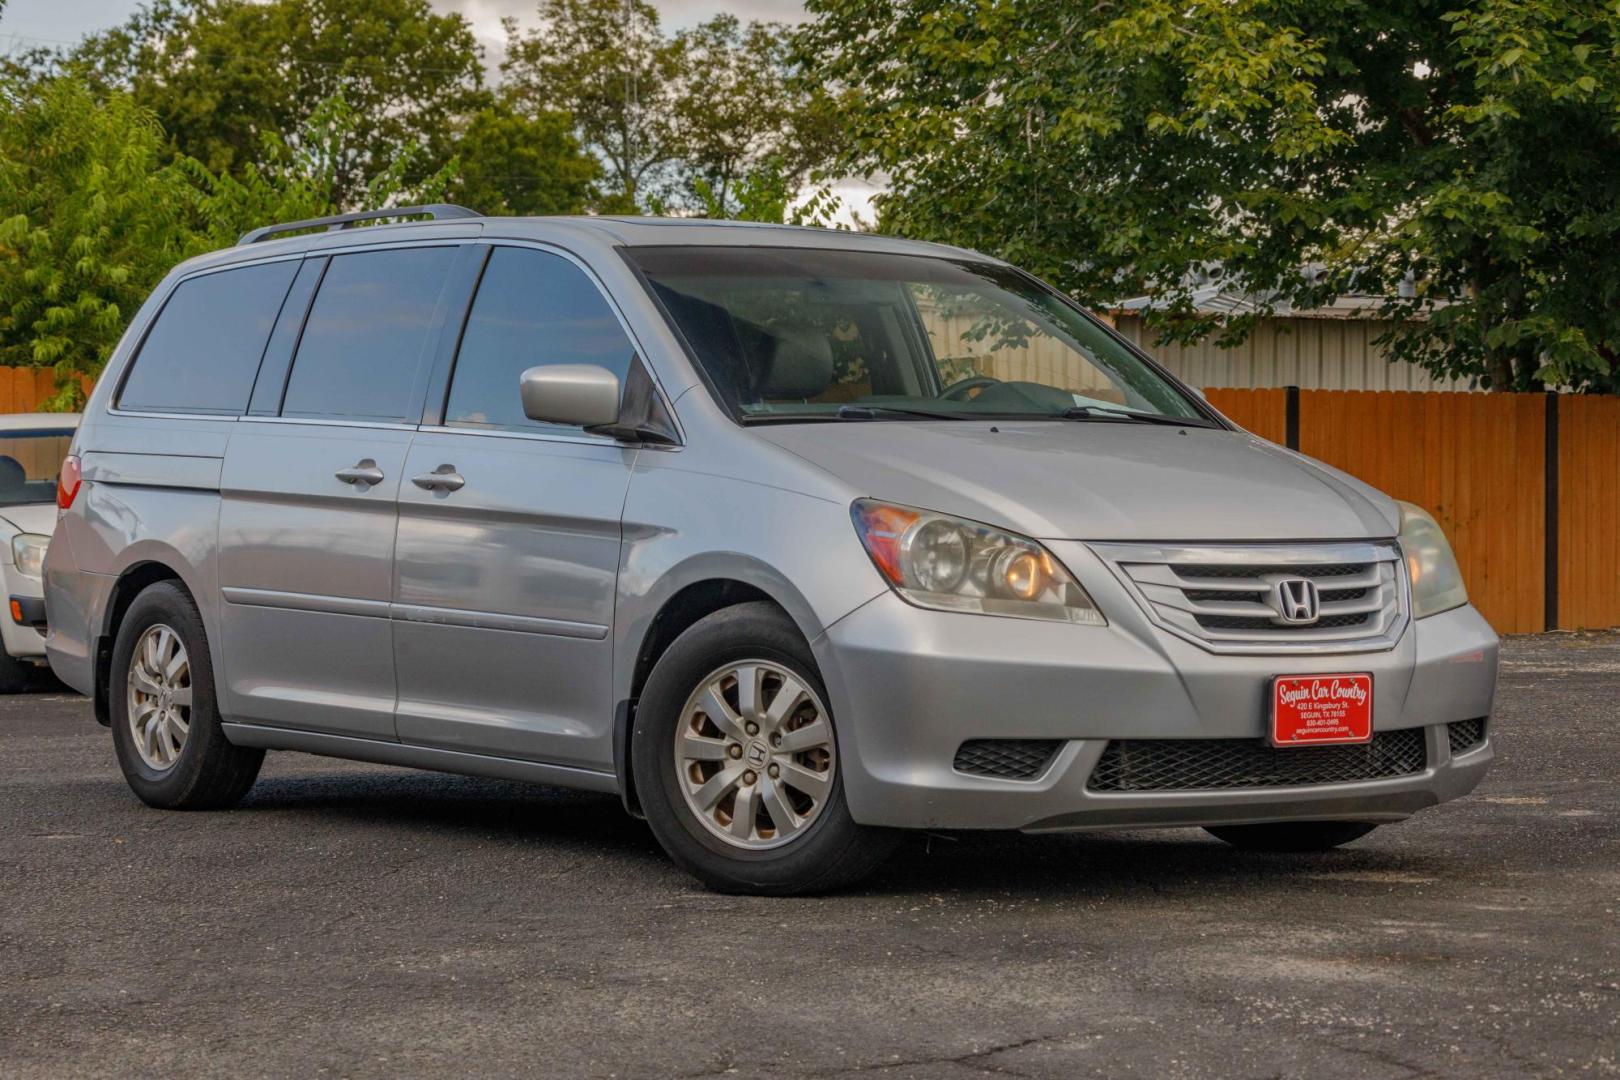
x,y
1313,710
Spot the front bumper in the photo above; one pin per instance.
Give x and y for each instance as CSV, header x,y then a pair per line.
x,y
24,640
909,686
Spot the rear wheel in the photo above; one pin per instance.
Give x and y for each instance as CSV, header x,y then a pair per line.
x,y
736,761
1291,835
164,718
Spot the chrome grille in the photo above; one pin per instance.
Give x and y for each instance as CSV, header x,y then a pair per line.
x,y
1005,759
1226,597
1203,764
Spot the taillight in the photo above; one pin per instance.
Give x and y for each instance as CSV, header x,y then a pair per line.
x,y
68,481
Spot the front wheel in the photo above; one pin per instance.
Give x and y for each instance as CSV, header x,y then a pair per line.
x,y
1291,835
736,761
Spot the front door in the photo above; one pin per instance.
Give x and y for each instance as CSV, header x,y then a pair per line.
x,y
509,534
309,502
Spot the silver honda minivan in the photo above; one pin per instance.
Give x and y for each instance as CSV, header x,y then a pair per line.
x,y
792,539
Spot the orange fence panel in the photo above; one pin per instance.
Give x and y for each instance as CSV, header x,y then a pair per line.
x,y
1263,412
1588,520
24,389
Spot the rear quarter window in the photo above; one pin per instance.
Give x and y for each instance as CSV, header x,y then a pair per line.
x,y
203,351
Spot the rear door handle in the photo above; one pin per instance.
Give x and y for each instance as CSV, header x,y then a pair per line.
x,y
444,478
361,475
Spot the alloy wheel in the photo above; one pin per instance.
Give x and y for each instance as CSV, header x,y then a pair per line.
x,y
755,754
159,696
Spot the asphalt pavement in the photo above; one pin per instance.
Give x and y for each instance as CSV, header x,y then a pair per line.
x,y
351,920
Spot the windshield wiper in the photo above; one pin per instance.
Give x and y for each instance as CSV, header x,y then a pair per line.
x,y
870,412
1096,412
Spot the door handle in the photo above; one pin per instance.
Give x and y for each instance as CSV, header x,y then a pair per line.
x,y
362,475
444,478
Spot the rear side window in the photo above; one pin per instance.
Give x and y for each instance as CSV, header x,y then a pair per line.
x,y
203,352
367,335
532,309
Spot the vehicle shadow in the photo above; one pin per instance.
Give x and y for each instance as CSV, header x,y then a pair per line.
x,y
1100,864
1005,864
442,803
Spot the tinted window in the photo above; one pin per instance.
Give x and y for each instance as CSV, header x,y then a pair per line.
x,y
367,334
203,352
532,309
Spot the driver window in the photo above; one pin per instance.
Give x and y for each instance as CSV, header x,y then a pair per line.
x,y
532,309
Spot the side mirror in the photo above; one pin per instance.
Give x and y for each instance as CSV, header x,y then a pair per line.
x,y
584,395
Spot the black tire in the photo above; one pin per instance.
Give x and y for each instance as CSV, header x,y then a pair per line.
x,y
16,675
209,773
1295,836
831,853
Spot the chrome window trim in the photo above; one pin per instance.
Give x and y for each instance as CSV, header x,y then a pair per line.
x,y
1118,556
309,421
226,417
541,436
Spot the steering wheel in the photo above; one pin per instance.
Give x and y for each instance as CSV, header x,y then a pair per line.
x,y
957,391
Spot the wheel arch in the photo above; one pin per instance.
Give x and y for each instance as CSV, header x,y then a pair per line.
x,y
679,608
136,577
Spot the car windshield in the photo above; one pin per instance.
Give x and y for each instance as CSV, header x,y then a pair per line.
x,y
801,334
29,462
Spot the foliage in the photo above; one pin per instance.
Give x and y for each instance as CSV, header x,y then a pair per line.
x,y
94,211
90,219
1117,148
736,112
516,164
222,75
680,121
611,67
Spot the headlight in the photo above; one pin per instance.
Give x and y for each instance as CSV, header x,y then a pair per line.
x,y
28,552
1437,583
941,562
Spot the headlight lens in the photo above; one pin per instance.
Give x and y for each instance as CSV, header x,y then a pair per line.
x,y
1437,583
28,552
949,564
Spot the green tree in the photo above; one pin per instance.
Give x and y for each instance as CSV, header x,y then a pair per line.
x,y
221,75
91,216
739,113
1463,148
610,66
94,211
516,164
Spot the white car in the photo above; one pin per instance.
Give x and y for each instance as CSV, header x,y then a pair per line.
x,y
32,446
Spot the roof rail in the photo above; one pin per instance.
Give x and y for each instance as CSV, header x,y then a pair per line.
x,y
436,211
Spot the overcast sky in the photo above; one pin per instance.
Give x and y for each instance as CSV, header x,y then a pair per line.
x,y
53,21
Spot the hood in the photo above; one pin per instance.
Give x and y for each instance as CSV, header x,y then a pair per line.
x,y
1095,481
31,518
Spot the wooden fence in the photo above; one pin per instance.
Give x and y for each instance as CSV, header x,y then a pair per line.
x,y
1525,485
22,389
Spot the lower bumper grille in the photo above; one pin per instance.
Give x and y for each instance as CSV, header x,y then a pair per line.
x,y
1464,735
1212,764
1005,759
